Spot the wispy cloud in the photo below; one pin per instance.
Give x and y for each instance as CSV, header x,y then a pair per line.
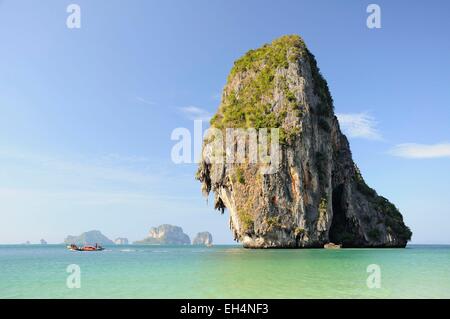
x,y
421,151
111,167
196,113
359,125
131,159
31,179
144,101
86,197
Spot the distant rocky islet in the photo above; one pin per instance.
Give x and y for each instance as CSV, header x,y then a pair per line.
x,y
203,238
121,241
165,234
89,238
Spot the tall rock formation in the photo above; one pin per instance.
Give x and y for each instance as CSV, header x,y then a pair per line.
x,y
203,238
316,194
166,235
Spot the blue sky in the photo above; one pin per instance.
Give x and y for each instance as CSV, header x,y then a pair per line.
x,y
86,114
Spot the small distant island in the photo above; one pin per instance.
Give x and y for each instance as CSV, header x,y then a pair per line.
x,y
89,238
203,238
165,235
121,241
43,241
162,235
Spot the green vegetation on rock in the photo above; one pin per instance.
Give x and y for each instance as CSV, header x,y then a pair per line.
x,y
240,175
323,206
272,56
299,231
251,106
273,222
260,73
246,220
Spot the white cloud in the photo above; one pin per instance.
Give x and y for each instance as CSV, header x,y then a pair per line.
x,y
142,100
196,113
359,125
417,151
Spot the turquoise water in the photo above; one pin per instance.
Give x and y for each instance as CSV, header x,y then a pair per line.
x,y
224,272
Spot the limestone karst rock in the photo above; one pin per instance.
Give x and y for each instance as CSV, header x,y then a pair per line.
x,y
89,238
166,235
121,241
317,194
203,238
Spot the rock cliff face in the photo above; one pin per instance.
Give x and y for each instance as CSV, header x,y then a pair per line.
x,y
166,235
203,238
316,194
89,238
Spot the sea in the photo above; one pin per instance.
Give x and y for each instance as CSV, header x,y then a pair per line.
x,y
135,271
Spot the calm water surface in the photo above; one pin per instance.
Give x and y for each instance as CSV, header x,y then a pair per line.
x,y
223,272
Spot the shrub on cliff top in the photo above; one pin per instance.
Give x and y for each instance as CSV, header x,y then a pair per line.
x,y
251,106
